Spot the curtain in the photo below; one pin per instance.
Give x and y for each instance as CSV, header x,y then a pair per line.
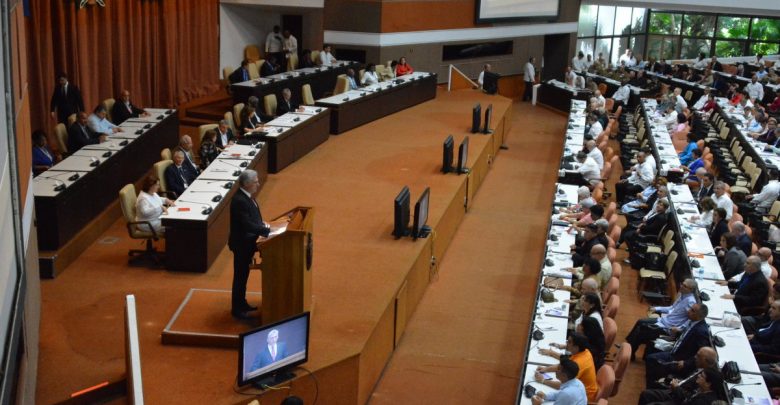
x,y
166,52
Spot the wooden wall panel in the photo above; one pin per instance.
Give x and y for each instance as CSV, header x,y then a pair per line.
x,y
422,15
21,99
353,15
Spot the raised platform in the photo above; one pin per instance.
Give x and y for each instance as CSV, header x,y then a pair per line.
x,y
367,285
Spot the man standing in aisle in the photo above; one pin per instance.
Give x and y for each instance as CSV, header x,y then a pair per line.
x,y
246,225
65,100
529,76
273,46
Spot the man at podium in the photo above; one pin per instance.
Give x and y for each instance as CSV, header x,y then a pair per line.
x,y
246,225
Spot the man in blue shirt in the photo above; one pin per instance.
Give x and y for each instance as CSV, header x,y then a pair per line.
x,y
572,392
673,319
99,124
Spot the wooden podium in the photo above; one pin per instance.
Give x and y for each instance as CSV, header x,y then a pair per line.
x,y
286,266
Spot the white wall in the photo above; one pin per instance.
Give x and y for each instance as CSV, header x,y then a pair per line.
x,y
752,7
242,25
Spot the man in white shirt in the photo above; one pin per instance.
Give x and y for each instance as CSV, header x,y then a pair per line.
x,y
702,100
98,122
589,62
481,78
722,200
762,202
600,97
621,95
588,168
628,58
701,62
755,89
326,58
570,77
578,62
595,130
640,176
529,77
595,153
289,45
679,101
273,45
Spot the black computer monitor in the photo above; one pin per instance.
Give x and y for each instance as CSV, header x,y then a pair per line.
x,y
476,118
267,355
401,213
488,116
490,82
446,160
419,229
463,156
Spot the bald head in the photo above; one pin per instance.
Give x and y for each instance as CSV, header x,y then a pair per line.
x,y
706,357
598,251
589,285
753,264
590,145
765,254
738,228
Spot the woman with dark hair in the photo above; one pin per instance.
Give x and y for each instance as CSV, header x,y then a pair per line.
x,y
369,76
733,258
149,206
208,148
590,327
403,68
591,306
686,155
42,157
708,384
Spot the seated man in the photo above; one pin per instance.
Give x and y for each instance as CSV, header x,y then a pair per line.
x,y
571,391
695,336
704,387
588,168
673,319
590,270
269,67
175,175
353,84
638,178
225,136
241,74
80,134
369,76
752,290
326,58
99,124
123,109
577,345
191,171
590,237
766,338
286,104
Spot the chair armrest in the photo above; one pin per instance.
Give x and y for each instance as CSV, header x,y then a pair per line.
x,y
149,224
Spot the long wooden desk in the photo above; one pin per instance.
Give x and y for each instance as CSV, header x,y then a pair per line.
x,y
196,228
293,135
357,107
322,81
559,95
63,207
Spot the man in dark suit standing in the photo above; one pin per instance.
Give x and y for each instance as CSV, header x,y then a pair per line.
x,y
80,135
175,175
225,135
286,104
66,99
271,353
246,225
752,290
695,336
123,109
241,74
269,67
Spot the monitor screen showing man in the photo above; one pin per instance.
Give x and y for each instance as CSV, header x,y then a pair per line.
x,y
267,350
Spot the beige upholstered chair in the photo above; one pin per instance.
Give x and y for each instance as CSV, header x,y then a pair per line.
x,y
269,104
237,114
254,69
342,85
202,130
109,104
159,171
165,154
252,53
315,57
71,119
308,99
231,122
292,62
61,136
127,200
226,71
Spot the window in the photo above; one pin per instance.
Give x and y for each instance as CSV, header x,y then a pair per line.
x,y
733,27
691,47
729,48
619,45
623,21
665,23
606,20
587,23
698,25
765,29
662,47
765,48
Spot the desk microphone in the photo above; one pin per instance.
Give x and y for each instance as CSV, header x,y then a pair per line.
x,y
94,161
58,185
217,198
139,132
73,177
237,172
106,154
147,126
206,209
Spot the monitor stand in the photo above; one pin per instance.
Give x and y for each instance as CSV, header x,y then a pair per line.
x,y
273,380
424,231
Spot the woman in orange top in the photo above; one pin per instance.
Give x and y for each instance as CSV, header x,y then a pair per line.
x,y
577,345
403,68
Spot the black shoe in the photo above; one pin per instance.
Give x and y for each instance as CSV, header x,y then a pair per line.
x,y
248,307
243,315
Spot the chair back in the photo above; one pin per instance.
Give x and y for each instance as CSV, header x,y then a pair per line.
x,y
159,171
61,136
226,71
251,53
610,331
775,210
229,118
615,234
254,70
617,270
670,262
71,119
603,89
203,129
308,99
165,154
292,62
127,199
237,114
611,208
612,287
622,361
612,306
269,104
606,380
109,105
315,57
342,85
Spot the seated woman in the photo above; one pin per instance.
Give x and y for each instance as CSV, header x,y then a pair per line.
x,y
686,155
590,328
679,132
369,76
42,157
252,122
208,148
403,68
149,206
731,256
707,208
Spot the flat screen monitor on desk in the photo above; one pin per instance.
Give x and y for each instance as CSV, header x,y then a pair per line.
x,y
476,118
401,213
463,155
420,230
490,82
488,117
267,355
446,161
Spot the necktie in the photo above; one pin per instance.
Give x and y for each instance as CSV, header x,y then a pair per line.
x,y
273,352
245,75
679,341
181,174
84,131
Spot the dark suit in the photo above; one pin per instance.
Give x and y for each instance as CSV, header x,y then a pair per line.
x,y
751,291
79,136
230,137
246,225
583,249
654,225
267,69
703,192
264,357
767,339
717,231
121,112
176,179
685,348
190,168
283,107
745,244
239,75
66,103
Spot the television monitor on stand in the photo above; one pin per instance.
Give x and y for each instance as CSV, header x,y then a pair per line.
x,y
267,355
488,116
476,117
446,161
419,229
463,155
401,213
490,82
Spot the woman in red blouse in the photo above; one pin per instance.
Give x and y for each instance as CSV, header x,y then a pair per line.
x,y
403,68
